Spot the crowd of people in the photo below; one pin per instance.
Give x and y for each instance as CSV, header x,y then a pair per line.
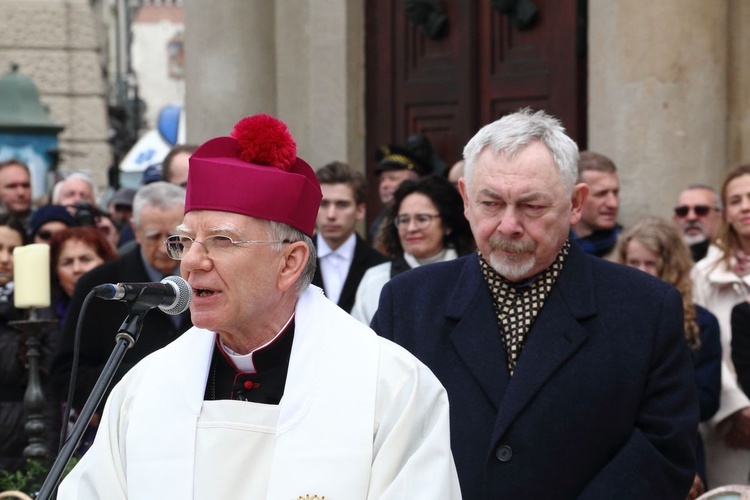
x,y
120,243
536,361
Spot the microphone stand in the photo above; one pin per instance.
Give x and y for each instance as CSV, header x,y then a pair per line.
x,y
126,338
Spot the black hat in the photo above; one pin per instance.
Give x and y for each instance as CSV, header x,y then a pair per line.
x,y
394,157
49,213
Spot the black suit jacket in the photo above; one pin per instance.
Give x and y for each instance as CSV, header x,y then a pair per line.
x,y
100,325
741,343
602,403
365,257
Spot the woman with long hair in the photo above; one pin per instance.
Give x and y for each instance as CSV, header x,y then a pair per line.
x,y
654,245
426,225
721,280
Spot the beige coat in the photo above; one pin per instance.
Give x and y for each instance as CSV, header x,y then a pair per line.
x,y
718,289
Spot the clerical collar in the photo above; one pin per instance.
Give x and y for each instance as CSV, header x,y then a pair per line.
x,y
346,250
247,362
266,385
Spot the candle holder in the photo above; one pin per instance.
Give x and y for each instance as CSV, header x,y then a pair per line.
x,y
33,400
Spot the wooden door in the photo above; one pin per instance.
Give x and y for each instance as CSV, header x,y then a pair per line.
x,y
481,67
543,67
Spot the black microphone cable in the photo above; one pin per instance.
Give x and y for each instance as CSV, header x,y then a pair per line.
x,y
73,371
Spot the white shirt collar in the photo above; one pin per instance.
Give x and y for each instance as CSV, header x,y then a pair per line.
x,y
346,250
334,265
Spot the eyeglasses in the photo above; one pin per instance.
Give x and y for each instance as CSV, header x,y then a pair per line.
x,y
421,221
700,210
178,245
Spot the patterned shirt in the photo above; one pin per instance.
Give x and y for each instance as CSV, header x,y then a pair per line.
x,y
517,306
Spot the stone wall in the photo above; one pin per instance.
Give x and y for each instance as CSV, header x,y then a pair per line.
x,y
665,96
738,76
55,44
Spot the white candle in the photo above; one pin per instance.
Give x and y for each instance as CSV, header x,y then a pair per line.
x,y
31,276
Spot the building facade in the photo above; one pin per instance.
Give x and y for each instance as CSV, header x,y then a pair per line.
x,y
57,45
667,87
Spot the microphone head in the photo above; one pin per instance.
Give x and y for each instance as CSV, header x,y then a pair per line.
x,y
182,298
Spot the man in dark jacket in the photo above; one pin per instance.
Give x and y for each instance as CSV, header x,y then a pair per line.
x,y
157,210
597,230
343,257
568,376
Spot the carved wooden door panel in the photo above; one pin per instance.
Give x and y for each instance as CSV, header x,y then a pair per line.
x,y
479,67
543,67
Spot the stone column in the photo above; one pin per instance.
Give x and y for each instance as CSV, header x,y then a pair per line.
x,y
321,77
739,83
658,97
230,64
300,60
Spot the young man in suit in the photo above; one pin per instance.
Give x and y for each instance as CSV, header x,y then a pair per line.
x,y
568,376
343,257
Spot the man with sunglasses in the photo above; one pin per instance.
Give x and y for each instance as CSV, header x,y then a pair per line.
x,y
277,392
698,217
48,220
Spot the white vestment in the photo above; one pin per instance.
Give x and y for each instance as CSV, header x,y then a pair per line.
x,y
360,418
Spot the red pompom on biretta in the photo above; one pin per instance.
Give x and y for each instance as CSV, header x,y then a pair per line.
x,y
255,172
265,140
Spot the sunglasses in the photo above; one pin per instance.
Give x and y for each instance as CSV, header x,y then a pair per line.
x,y
44,234
700,210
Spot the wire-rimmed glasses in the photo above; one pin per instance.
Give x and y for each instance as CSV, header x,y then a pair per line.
x,y
421,221
178,245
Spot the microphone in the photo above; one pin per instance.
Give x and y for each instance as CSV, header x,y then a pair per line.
x,y
172,294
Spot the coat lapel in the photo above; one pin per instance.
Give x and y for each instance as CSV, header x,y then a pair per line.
x,y
479,346
356,271
554,339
